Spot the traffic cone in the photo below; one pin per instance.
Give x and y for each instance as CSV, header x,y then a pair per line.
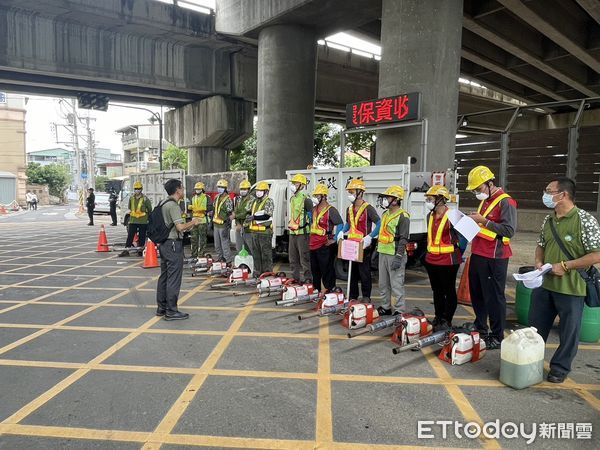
x,y
102,242
136,240
3,210
464,295
150,256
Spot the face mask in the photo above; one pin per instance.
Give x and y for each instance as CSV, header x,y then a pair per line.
x,y
244,193
260,194
482,196
315,201
220,190
429,205
198,191
293,188
352,198
138,191
548,200
385,203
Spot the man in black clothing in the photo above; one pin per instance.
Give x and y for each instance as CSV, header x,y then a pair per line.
x,y
112,201
90,205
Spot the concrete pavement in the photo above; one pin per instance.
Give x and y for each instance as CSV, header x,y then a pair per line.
x,y
85,364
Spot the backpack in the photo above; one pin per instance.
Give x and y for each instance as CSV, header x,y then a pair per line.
x,y
158,231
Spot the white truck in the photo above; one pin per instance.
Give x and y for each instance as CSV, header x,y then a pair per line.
x,y
377,179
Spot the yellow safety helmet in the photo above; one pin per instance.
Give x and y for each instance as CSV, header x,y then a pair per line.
x,y
222,183
356,183
478,176
262,186
438,189
199,185
138,185
320,189
299,178
394,191
245,184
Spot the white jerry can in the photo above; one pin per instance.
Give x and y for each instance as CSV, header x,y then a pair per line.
x,y
522,359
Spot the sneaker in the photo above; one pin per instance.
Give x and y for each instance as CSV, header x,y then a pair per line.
x,y
160,312
177,316
384,311
90,224
440,325
492,342
113,224
123,253
555,377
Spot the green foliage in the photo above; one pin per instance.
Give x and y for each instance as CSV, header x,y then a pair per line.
x,y
354,160
56,176
100,182
243,157
175,158
326,149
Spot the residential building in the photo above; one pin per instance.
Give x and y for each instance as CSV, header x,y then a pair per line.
x,y
140,148
12,140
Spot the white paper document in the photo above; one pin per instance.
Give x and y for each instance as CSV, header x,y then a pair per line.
x,y
534,278
462,223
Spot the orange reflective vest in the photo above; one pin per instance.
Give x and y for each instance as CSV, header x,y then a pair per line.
x,y
486,234
314,226
355,234
435,245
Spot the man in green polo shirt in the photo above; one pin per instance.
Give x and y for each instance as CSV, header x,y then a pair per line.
x,y
563,290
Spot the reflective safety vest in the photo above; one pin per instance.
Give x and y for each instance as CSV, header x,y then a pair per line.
x,y
315,227
199,206
219,203
484,233
297,222
435,245
257,206
355,234
136,211
387,233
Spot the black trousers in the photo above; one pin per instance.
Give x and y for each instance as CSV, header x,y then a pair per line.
x,y
171,270
113,213
322,266
443,285
361,272
90,212
487,280
140,229
545,306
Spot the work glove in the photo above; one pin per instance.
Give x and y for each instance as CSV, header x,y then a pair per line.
x,y
340,236
367,241
397,262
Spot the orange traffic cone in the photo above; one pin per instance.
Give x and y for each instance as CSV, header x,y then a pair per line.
x,y
151,256
136,240
102,242
464,295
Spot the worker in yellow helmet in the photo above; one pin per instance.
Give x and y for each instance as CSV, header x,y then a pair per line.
x,y
362,224
140,208
443,256
240,211
490,251
299,228
200,206
326,222
260,226
223,209
391,245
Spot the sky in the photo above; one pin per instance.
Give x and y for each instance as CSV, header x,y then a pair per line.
x,y
42,112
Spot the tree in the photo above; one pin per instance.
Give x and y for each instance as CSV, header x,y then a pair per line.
x,y
101,181
175,158
354,160
56,176
243,157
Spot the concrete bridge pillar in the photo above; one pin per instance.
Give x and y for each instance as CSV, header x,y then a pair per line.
x,y
207,129
287,61
421,42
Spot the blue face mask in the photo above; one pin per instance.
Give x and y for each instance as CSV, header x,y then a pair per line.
x,y
548,201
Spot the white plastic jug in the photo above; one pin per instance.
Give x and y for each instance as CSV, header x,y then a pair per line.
x,y
522,359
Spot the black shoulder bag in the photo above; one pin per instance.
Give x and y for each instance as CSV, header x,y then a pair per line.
x,y
590,276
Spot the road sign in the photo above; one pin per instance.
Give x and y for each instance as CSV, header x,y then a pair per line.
x,y
399,108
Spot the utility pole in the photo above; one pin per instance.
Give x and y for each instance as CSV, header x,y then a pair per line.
x,y
75,136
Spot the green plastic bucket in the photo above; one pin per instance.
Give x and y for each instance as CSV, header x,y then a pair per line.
x,y
523,298
590,325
